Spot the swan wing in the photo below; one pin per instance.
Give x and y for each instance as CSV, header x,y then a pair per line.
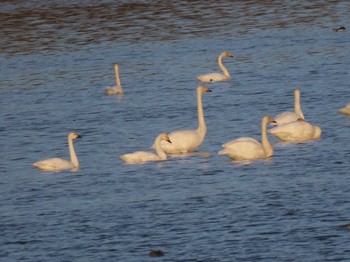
x,y
53,164
296,131
238,140
345,110
212,77
286,117
113,90
182,141
244,149
139,157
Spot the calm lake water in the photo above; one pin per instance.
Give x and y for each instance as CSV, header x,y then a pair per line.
x,y
56,59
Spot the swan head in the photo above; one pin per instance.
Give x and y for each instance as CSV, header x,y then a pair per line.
x,y
268,119
203,89
165,136
297,91
227,54
74,136
116,66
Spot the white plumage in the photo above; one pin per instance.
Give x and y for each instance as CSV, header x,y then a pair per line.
x,y
217,77
140,157
57,164
247,148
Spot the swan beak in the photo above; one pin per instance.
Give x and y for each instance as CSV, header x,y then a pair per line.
x,y
167,139
79,136
209,90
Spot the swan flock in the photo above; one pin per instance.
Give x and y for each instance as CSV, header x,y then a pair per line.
x,y
288,127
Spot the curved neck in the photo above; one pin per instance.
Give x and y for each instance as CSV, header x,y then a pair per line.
x,y
264,140
160,152
297,107
202,128
223,68
119,86
73,156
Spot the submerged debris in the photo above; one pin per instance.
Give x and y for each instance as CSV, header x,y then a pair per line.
x,y
156,253
339,29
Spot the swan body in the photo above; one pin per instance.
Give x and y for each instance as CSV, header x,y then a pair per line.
x,y
142,156
296,131
185,141
287,117
57,164
117,89
247,148
217,77
345,110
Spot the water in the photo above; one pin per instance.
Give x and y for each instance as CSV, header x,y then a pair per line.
x,y
57,58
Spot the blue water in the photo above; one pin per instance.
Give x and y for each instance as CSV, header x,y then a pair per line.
x,y
56,59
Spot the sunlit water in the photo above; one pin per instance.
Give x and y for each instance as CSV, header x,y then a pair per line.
x,y
56,59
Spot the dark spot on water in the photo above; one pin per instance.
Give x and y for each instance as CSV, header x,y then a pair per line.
x,y
156,253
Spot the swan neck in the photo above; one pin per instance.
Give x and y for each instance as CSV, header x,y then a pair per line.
x,y
73,156
119,86
160,152
222,67
297,107
264,139
202,128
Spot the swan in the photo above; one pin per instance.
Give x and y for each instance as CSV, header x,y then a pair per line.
x,y
286,117
296,131
247,148
57,164
142,156
345,110
217,77
184,141
117,89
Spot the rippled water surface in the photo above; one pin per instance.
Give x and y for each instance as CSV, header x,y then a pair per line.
x,y
56,59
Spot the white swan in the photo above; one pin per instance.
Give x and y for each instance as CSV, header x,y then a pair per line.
x,y
296,131
287,117
142,156
345,110
246,148
117,89
184,141
57,164
217,77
